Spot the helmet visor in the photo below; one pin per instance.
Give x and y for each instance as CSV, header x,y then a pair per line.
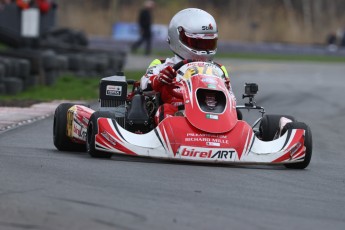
x,y
198,41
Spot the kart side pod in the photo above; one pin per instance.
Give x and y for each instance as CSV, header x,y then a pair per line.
x,y
113,95
113,91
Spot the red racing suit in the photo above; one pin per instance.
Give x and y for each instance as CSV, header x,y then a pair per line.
x,y
150,81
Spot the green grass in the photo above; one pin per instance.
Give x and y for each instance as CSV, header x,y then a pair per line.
x,y
67,87
2,46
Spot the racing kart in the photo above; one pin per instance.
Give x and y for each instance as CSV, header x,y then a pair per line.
x,y
202,131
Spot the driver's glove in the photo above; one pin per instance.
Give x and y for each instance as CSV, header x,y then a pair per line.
x,y
166,75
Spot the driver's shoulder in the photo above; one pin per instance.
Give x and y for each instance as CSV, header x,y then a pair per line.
x,y
156,62
223,68
159,62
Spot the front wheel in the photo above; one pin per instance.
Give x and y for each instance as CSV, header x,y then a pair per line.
x,y
269,126
92,130
308,143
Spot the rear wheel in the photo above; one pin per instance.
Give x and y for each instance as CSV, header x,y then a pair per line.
x,y
61,141
308,143
269,126
92,130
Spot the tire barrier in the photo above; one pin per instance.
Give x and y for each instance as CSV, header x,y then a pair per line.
x,y
24,68
41,60
13,85
2,89
2,72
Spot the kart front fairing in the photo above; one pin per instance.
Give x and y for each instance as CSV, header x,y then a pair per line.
x,y
197,79
202,134
176,138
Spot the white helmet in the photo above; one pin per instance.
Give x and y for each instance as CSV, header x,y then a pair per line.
x,y
193,34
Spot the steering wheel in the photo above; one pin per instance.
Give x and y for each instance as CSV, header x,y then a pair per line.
x,y
177,66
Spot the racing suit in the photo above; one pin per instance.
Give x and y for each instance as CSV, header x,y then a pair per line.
x,y
150,82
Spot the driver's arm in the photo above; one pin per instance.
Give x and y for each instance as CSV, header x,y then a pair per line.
x,y
152,71
158,76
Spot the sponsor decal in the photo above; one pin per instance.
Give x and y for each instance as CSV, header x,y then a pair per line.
x,y
85,120
211,86
207,135
209,27
204,153
77,120
208,80
207,140
212,116
108,137
294,148
113,90
79,131
212,144
197,139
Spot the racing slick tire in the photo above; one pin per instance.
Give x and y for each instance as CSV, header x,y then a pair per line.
x,y
61,141
308,142
91,134
270,125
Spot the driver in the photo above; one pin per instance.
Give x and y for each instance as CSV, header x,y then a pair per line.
x,y
192,34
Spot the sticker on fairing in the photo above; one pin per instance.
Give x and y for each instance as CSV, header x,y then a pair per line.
x,y
212,116
113,90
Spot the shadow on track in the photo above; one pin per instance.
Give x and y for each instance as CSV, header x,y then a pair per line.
x,y
145,160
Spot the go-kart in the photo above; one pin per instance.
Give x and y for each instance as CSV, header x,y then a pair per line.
x,y
202,131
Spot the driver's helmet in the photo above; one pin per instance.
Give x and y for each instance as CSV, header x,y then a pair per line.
x,y
193,34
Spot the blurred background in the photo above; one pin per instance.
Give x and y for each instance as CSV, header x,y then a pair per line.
x,y
287,21
62,39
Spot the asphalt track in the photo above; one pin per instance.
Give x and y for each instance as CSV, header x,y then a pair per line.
x,y
41,188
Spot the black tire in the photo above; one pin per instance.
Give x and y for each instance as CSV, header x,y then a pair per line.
x,y
51,77
75,62
2,89
49,60
13,85
270,125
62,62
91,134
102,64
2,72
61,141
308,141
14,71
90,63
24,68
30,81
7,65
239,114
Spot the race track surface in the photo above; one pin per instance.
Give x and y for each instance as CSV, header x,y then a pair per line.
x,y
41,188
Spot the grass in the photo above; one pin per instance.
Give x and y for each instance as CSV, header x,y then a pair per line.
x,y
2,46
67,87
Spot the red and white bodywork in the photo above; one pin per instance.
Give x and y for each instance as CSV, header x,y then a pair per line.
x,y
176,138
200,135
